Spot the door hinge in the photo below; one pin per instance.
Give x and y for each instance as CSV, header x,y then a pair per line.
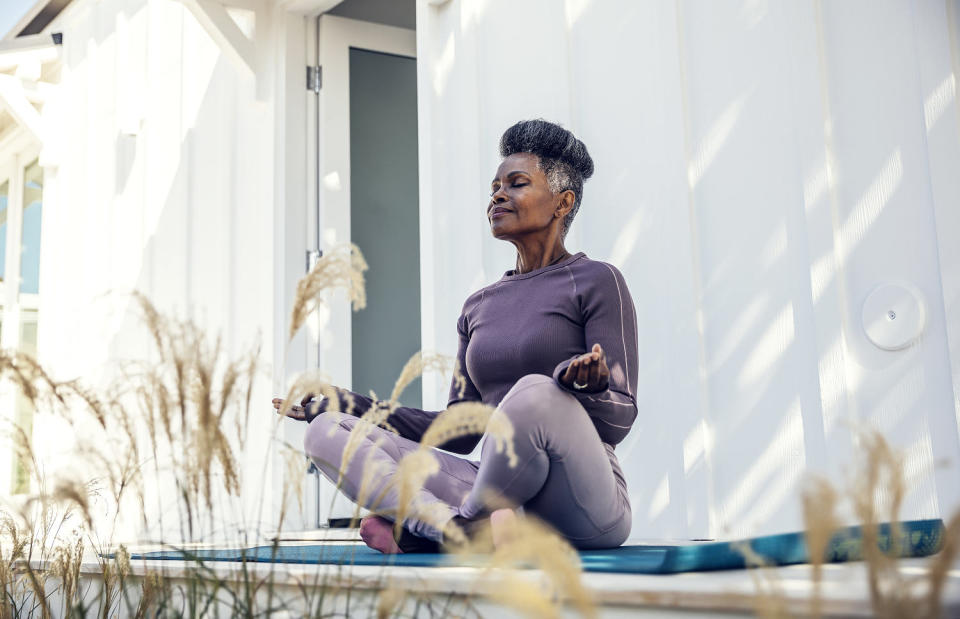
x,y
313,255
315,78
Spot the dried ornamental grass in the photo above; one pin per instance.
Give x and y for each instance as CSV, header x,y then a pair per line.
x,y
468,418
293,464
27,375
153,588
876,496
389,600
340,267
193,393
534,543
820,521
416,366
938,568
769,601
881,481
375,416
66,568
413,471
373,470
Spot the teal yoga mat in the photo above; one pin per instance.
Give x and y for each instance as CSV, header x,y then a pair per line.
x,y
919,538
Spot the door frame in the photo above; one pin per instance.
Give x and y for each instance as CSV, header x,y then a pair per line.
x,y
336,36
333,338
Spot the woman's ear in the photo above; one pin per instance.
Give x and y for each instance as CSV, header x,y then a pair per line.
x,y
565,203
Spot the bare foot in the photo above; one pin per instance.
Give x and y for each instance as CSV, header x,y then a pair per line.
x,y
503,527
377,533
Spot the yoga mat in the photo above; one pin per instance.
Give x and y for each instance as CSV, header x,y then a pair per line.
x,y
920,538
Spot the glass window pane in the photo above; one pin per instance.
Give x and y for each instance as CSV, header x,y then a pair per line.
x,y
30,250
4,196
28,332
24,418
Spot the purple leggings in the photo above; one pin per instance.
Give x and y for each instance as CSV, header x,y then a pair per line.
x,y
564,474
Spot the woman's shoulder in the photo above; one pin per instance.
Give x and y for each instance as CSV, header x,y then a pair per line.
x,y
586,270
472,301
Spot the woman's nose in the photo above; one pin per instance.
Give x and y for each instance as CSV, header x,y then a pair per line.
x,y
498,196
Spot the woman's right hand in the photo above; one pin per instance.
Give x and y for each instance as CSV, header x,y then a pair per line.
x,y
305,411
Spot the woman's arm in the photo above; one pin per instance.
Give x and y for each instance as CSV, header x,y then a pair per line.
x,y
609,320
410,422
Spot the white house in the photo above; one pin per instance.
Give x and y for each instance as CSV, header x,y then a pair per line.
x,y
778,181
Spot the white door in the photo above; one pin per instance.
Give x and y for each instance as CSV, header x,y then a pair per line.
x,y
368,196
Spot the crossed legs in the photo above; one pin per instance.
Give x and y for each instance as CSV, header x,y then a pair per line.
x,y
564,474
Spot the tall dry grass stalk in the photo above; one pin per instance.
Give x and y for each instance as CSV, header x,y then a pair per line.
x,y
880,484
342,266
196,405
412,474
819,501
533,544
184,412
876,496
769,601
417,365
469,418
390,600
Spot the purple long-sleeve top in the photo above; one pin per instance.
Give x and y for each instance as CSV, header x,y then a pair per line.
x,y
538,323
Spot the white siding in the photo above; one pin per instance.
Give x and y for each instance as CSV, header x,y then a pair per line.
x,y
161,179
761,168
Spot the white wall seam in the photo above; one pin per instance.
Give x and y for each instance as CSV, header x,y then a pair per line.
x,y
942,189
839,265
706,421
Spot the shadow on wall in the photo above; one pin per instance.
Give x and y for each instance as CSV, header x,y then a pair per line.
x,y
782,251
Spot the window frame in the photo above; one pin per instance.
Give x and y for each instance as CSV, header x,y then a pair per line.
x,y
18,150
14,159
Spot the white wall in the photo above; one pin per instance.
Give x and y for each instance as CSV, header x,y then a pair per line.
x,y
761,168
171,172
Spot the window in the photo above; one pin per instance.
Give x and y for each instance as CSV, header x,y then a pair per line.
x,y
30,229
21,204
4,198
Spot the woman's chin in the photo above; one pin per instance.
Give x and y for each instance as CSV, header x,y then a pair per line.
x,y
499,231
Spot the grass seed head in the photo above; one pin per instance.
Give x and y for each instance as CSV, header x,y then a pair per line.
x,y
535,542
416,366
412,473
340,267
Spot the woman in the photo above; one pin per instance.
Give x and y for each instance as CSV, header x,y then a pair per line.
x,y
552,344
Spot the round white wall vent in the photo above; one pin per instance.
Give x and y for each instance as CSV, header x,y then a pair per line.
x,y
893,316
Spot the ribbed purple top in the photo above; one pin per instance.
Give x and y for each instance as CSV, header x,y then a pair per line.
x,y
537,323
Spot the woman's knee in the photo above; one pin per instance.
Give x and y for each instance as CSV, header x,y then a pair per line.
x,y
533,398
324,432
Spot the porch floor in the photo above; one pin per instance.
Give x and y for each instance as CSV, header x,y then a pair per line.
x,y
844,587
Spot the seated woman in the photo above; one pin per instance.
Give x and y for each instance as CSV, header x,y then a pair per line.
x,y
552,344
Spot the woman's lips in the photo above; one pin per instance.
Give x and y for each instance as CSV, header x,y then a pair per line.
x,y
499,212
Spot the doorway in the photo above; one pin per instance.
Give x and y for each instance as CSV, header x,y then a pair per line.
x,y
368,194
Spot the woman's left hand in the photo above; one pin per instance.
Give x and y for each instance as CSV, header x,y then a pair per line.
x,y
588,372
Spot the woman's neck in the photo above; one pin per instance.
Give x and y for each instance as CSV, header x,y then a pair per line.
x,y
531,259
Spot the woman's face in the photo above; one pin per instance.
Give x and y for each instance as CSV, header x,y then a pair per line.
x,y
521,202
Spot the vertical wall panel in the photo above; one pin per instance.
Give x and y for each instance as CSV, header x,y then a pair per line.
x,y
452,191
937,33
165,169
635,212
758,324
